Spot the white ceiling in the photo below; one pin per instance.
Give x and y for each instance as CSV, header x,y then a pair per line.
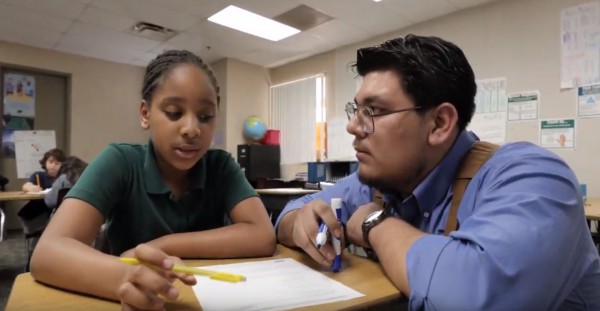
x,y
99,28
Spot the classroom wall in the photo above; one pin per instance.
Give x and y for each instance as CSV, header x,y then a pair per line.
x,y
219,69
516,39
104,100
104,96
247,95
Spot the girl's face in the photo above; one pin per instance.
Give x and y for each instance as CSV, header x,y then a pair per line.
x,y
52,166
181,117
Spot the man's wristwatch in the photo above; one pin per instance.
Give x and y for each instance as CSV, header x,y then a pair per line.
x,y
373,220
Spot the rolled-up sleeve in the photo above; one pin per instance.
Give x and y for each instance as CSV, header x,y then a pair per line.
x,y
521,243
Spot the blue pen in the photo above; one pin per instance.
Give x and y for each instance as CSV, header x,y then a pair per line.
x,y
322,235
336,207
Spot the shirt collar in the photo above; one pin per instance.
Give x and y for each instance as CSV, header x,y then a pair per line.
x,y
154,180
434,187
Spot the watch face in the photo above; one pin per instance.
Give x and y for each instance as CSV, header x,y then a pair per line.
x,y
373,216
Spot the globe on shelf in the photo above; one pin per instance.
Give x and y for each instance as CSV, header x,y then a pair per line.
x,y
254,128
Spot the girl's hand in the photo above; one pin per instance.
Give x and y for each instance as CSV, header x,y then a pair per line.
x,y
145,286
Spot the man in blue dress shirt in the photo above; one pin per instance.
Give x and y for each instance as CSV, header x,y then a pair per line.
x,y
522,241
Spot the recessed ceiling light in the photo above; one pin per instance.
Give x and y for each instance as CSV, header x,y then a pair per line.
x,y
376,0
251,23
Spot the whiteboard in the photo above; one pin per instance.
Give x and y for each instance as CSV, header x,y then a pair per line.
x,y
339,142
30,147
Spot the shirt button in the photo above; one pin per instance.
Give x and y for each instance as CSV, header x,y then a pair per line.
x,y
426,215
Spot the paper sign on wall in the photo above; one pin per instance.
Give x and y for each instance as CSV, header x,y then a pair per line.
x,y
588,100
30,147
523,106
489,126
558,133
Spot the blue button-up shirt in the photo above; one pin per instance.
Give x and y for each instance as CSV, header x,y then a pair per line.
x,y
522,242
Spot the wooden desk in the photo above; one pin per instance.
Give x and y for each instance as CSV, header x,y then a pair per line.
x,y
359,273
14,196
286,191
592,209
20,196
275,199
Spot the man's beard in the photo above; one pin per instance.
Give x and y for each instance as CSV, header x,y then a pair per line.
x,y
380,184
400,184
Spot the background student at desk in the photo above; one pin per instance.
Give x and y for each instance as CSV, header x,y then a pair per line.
x,y
38,181
168,198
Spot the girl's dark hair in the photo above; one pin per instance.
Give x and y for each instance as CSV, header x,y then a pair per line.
x,y
160,67
56,153
73,167
432,71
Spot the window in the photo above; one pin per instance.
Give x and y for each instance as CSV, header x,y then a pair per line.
x,y
298,110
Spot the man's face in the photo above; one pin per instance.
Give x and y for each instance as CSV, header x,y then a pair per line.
x,y
394,154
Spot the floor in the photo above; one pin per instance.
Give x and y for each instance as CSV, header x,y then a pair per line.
x,y
12,262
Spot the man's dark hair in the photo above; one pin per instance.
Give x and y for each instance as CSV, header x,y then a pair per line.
x,y
56,153
432,71
160,67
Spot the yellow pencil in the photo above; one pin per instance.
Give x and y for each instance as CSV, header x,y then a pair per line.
x,y
37,179
215,275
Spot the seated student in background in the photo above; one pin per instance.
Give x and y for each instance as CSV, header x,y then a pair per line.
x,y
522,242
69,172
50,163
167,199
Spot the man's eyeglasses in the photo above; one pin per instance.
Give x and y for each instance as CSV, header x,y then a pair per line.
x,y
366,116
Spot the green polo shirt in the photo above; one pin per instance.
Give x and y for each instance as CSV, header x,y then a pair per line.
x,y
124,184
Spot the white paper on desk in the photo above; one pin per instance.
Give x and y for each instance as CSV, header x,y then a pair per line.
x,y
45,191
278,284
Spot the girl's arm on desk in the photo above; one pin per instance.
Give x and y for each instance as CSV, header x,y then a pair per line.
x,y
64,258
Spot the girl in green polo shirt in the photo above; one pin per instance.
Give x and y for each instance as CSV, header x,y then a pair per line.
x,y
172,198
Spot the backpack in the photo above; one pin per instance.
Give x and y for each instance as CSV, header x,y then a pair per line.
x,y
470,164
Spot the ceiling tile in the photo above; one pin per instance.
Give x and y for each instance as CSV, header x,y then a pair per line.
x,y
61,8
106,19
101,26
203,9
186,41
155,14
464,4
116,6
95,52
32,18
212,32
21,33
421,10
339,32
89,35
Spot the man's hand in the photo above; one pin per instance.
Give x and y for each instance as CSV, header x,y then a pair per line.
x,y
306,227
143,284
354,226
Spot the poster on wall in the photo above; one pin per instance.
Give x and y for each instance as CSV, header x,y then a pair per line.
x,y
523,106
30,147
19,107
579,42
489,126
491,95
557,133
588,100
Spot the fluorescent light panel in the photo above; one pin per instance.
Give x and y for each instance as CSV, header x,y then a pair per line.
x,y
251,23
